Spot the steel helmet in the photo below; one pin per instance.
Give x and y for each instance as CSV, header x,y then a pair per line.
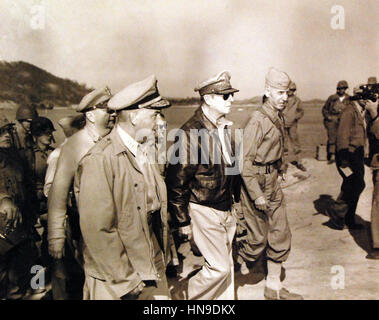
x,y
26,112
41,125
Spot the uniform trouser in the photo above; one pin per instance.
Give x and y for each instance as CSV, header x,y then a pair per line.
x,y
351,188
67,275
331,128
265,231
95,289
291,143
375,211
213,232
15,269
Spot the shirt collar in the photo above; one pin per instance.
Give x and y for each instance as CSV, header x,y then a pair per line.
x,y
271,110
219,123
93,134
128,141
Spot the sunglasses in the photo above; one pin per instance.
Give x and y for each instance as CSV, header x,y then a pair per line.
x,y
293,90
341,88
226,95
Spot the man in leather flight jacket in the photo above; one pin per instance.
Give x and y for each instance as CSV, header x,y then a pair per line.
x,y
200,191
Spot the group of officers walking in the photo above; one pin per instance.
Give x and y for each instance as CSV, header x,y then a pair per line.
x,y
108,213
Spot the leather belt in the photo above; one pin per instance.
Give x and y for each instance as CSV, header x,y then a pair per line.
x,y
266,167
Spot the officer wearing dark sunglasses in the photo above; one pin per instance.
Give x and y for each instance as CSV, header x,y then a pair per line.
x,y
201,194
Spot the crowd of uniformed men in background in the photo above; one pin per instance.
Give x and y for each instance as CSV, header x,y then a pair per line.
x,y
105,222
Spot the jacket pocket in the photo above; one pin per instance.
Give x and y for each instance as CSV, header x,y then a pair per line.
x,y
261,178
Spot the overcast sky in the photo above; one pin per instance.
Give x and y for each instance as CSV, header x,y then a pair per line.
x,y
183,42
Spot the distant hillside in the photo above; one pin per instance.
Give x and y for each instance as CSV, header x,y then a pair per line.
x,y
315,101
196,101
255,100
184,101
23,82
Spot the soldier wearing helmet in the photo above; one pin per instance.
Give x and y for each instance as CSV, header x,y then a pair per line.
x,y
352,148
292,114
331,112
23,140
18,255
24,116
41,129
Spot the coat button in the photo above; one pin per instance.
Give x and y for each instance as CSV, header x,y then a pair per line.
x,y
139,208
136,185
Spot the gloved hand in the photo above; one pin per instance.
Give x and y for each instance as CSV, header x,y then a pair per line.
x,y
56,248
11,211
261,203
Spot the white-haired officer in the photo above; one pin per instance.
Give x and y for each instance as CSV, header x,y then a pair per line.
x,y
122,202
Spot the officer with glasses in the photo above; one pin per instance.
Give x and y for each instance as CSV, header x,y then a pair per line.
x,y
63,237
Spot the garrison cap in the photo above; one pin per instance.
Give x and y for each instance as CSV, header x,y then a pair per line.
x,y
292,85
94,98
4,122
277,79
342,84
219,84
371,80
142,94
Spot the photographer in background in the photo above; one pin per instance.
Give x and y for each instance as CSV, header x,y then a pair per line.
x,y
352,149
373,136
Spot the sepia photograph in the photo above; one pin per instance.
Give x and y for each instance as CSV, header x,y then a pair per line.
x,y
189,150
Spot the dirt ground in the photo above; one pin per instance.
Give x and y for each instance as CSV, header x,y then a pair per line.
x,y
324,263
